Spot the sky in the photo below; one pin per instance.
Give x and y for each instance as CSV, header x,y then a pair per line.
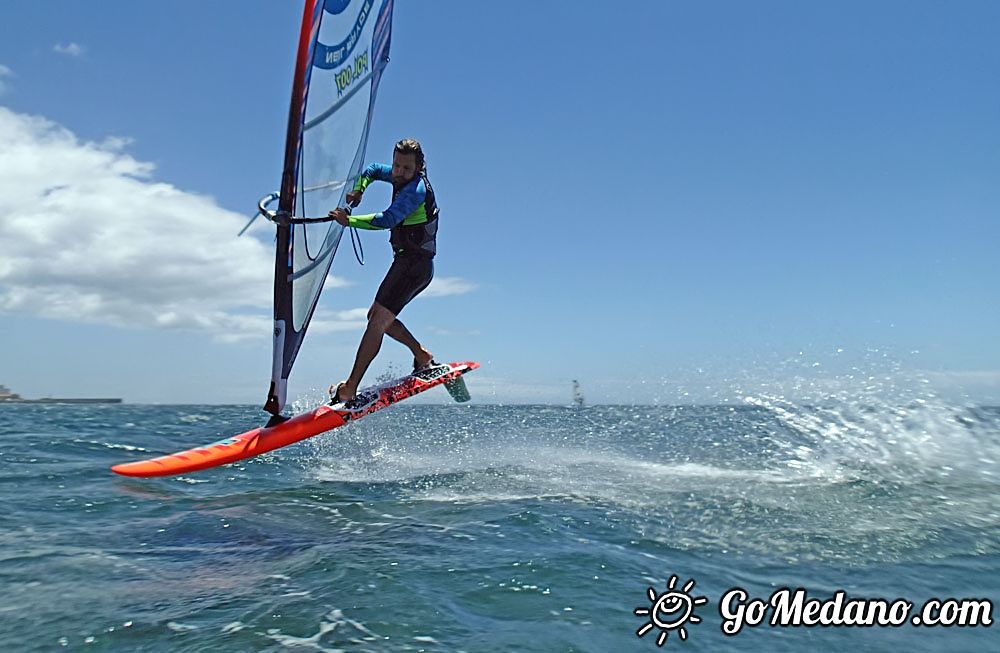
x,y
669,201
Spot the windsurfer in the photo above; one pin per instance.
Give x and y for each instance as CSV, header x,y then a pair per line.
x,y
412,220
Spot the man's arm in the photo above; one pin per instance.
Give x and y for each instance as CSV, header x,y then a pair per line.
x,y
406,202
374,172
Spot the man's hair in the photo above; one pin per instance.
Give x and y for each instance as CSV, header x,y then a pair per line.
x,y
411,146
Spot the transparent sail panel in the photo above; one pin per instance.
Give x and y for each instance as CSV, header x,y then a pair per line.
x,y
348,45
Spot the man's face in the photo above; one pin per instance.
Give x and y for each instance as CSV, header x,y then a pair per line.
x,y
404,167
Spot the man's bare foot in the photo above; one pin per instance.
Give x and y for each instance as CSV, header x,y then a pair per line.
x,y
341,393
424,359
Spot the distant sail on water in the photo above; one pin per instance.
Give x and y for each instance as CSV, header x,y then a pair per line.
x,y
577,394
342,52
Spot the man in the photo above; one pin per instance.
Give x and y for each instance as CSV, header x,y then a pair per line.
x,y
412,218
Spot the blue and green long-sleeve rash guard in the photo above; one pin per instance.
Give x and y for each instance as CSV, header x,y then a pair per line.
x,y
407,204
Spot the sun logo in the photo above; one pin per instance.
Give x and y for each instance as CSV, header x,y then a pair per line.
x,y
670,610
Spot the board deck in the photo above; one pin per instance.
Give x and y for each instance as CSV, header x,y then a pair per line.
x,y
305,425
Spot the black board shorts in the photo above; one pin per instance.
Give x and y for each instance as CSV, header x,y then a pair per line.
x,y
408,275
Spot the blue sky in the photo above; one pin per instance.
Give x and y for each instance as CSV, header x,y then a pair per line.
x,y
665,200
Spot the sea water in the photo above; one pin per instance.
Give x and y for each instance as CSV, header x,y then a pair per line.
x,y
497,528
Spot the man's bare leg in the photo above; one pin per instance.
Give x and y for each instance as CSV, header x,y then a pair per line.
x,y
398,332
379,319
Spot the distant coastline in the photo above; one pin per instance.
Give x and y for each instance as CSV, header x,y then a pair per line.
x,y
8,397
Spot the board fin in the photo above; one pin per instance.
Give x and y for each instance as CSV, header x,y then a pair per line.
x,y
458,390
275,420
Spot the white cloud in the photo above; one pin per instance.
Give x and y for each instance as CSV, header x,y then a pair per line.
x,y
986,377
451,333
489,389
87,235
326,321
4,72
979,386
71,49
444,286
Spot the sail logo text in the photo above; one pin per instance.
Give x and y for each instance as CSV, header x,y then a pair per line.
x,y
332,56
352,73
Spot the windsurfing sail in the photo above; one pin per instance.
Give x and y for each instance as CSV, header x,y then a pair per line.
x,y
343,50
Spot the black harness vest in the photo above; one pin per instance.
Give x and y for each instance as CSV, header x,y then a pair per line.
x,y
417,238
